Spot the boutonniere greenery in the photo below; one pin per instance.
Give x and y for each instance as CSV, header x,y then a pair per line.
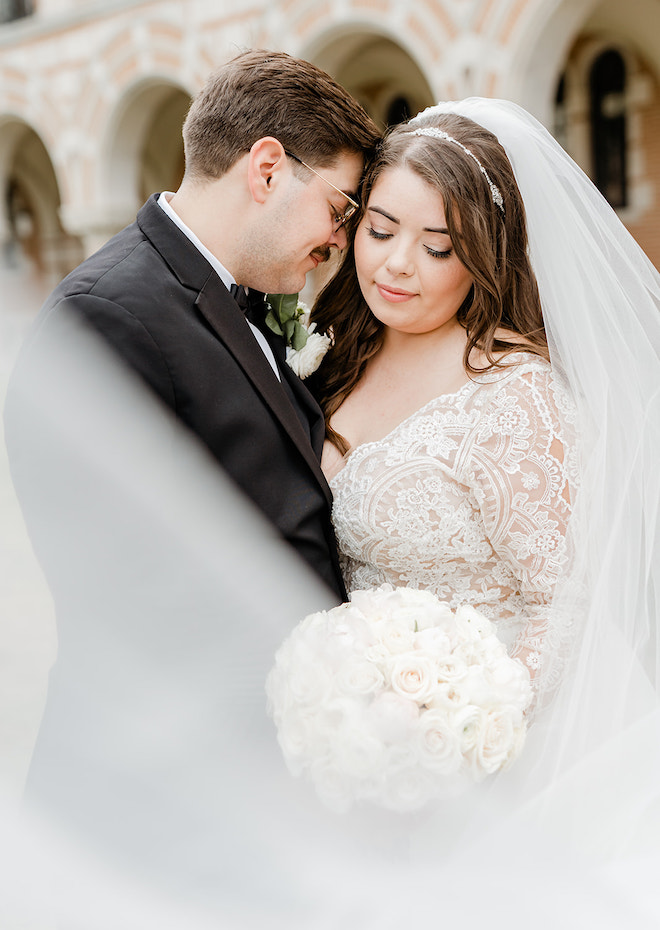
x,y
289,317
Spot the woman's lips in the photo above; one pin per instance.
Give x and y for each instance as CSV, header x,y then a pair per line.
x,y
394,294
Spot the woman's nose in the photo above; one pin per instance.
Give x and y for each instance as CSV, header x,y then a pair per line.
x,y
399,259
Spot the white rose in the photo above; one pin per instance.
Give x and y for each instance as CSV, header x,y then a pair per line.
x,y
414,675
451,668
304,312
357,676
305,361
472,620
420,610
395,637
433,642
509,680
299,740
439,744
497,739
477,687
308,683
450,695
392,717
467,721
373,603
379,654
346,634
472,652
355,752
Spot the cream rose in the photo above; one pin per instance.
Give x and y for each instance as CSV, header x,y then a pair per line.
x,y
439,745
414,675
497,739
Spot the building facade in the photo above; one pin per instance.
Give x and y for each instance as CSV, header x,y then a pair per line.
x,y
93,94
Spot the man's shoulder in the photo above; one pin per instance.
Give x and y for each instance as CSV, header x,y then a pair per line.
x,y
126,264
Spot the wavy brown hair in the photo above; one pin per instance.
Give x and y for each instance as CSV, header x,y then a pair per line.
x,y
490,242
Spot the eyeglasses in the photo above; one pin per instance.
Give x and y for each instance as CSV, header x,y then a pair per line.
x,y
339,218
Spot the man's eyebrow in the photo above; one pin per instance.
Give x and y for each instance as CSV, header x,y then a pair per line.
x,y
393,219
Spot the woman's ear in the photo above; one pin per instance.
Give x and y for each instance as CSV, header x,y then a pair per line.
x,y
266,164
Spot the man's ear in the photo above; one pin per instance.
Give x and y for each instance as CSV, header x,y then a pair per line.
x,y
266,164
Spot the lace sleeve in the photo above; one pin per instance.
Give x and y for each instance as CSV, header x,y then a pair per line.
x,y
520,469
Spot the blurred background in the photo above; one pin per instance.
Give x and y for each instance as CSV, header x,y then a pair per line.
x,y
93,94
92,97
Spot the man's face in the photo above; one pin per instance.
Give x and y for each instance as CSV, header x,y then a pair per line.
x,y
300,228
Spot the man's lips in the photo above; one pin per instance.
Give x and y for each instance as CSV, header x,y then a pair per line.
x,y
394,294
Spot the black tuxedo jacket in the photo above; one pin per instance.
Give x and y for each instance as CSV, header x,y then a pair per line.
x,y
156,300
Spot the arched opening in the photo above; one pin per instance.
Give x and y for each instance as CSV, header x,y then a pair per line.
x,y
144,152
607,96
382,75
33,239
398,111
609,111
162,164
15,9
560,121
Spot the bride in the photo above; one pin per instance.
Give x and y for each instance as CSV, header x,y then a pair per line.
x,y
493,412
458,469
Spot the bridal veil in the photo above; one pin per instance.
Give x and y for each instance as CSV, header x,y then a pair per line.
x,y
158,795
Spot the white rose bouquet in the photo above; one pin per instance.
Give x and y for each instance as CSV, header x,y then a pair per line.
x,y
396,699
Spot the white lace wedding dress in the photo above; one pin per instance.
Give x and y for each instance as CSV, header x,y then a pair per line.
x,y
469,497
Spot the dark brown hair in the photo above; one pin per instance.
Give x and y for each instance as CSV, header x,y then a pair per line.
x,y
491,243
262,93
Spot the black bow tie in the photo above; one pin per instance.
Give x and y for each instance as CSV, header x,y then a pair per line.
x,y
251,303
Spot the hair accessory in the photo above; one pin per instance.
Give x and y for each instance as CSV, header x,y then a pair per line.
x,y
441,134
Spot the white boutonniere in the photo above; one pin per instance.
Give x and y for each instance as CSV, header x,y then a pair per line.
x,y
289,317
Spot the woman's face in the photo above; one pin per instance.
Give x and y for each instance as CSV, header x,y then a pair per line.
x,y
408,271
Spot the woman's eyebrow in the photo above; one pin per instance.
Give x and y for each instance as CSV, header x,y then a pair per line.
x,y
393,219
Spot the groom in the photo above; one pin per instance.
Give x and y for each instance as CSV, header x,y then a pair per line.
x,y
274,152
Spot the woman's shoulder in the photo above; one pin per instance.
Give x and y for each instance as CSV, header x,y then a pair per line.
x,y
528,377
526,383
515,370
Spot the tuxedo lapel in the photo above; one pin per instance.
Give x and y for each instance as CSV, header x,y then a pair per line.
x,y
225,318
309,405
227,321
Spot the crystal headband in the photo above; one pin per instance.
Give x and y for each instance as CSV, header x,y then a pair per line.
x,y
441,134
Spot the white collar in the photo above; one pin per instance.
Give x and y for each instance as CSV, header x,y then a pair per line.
x,y
226,278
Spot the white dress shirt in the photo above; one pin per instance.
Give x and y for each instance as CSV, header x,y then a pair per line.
x,y
226,278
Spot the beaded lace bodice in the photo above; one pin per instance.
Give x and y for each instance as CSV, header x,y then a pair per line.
x,y
469,498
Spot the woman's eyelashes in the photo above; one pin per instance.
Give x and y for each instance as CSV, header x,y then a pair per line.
x,y
434,253
378,235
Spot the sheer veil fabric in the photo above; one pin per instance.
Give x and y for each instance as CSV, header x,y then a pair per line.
x,y
591,770
158,795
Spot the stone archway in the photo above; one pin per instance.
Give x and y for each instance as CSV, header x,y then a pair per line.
x,y
379,73
34,243
636,106
142,152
